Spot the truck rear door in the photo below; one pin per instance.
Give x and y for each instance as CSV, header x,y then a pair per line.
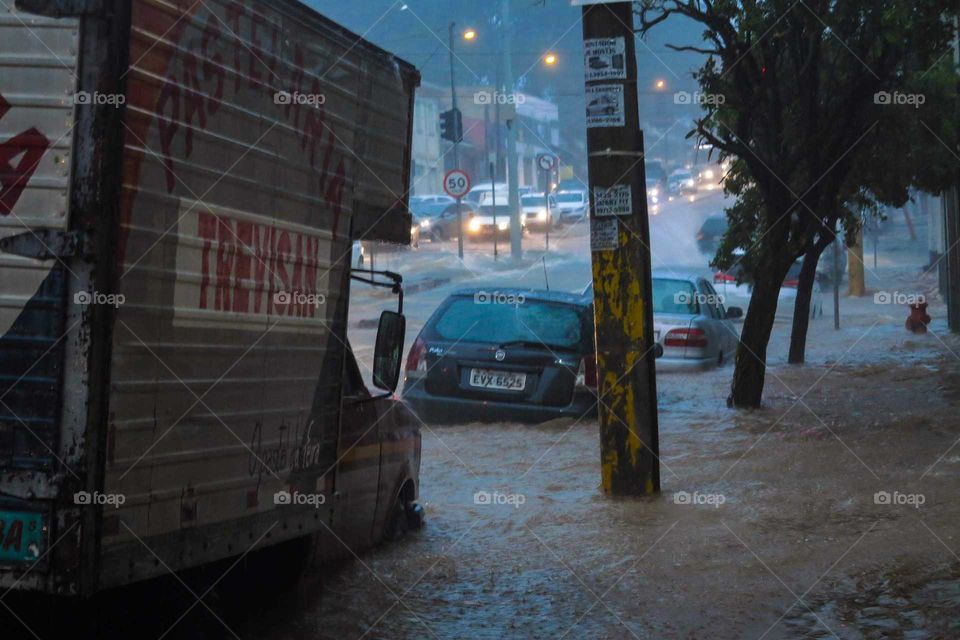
x,y
38,82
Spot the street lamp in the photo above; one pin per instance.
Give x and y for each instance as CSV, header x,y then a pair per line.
x,y
660,84
550,59
469,34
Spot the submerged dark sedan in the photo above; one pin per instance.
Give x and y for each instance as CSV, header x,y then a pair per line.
x,y
504,355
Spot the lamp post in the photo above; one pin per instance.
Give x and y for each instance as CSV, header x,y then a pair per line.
x,y
468,34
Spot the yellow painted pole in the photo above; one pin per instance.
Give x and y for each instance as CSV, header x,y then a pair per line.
x,y
619,243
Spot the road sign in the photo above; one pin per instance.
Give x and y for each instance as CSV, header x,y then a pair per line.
x,y
546,161
456,183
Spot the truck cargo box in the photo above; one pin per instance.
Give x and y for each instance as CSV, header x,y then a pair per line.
x,y
181,186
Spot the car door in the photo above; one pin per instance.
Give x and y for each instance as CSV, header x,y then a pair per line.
x,y
358,456
712,319
728,331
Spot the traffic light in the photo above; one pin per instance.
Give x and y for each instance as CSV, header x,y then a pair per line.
x,y
451,125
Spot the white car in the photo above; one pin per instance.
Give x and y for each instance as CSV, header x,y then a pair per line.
x,y
572,205
740,294
482,224
691,323
536,212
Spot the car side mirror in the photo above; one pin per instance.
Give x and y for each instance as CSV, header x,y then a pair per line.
x,y
388,351
657,351
734,312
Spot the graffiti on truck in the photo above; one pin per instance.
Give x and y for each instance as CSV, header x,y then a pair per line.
x,y
26,148
197,86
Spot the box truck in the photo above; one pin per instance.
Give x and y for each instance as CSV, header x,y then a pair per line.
x,y
182,183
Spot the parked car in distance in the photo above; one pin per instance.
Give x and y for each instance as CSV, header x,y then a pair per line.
x,y
739,293
504,354
710,233
690,322
538,211
572,205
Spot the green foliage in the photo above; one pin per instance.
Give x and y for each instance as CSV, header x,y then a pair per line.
x,y
802,118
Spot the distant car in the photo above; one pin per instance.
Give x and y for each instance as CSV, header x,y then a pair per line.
x,y
740,293
439,221
415,232
690,322
708,177
572,205
680,182
483,223
440,198
710,234
504,355
653,169
537,214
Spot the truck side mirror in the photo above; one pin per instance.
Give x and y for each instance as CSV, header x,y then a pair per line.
x,y
388,352
734,313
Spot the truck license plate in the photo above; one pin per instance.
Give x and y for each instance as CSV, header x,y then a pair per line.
x,y
21,536
486,379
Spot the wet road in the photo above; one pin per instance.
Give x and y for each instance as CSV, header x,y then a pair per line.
x,y
769,525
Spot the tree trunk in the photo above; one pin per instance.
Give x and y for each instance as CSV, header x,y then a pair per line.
x,y
856,282
746,392
801,309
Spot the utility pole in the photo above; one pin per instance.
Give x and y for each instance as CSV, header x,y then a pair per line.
x,y
513,173
456,142
620,257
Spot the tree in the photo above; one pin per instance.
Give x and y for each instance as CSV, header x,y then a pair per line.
x,y
800,96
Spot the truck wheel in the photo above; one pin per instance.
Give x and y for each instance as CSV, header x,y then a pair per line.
x,y
398,525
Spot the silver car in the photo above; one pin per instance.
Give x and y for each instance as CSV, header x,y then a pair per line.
x,y
691,323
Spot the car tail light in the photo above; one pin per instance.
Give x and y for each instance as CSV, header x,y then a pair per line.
x,y
587,373
720,276
693,338
791,283
417,359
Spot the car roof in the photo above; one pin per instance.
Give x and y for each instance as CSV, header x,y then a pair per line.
x,y
659,274
542,295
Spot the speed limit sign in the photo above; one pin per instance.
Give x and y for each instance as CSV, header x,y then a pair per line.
x,y
456,183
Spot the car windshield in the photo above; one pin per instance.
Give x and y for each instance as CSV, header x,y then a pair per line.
x,y
570,197
501,318
532,201
674,296
502,211
429,209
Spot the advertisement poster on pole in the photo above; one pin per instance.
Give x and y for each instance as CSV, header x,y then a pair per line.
x,y
603,59
613,201
605,106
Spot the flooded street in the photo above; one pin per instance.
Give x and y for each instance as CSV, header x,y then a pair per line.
x,y
793,544
768,525
437,319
